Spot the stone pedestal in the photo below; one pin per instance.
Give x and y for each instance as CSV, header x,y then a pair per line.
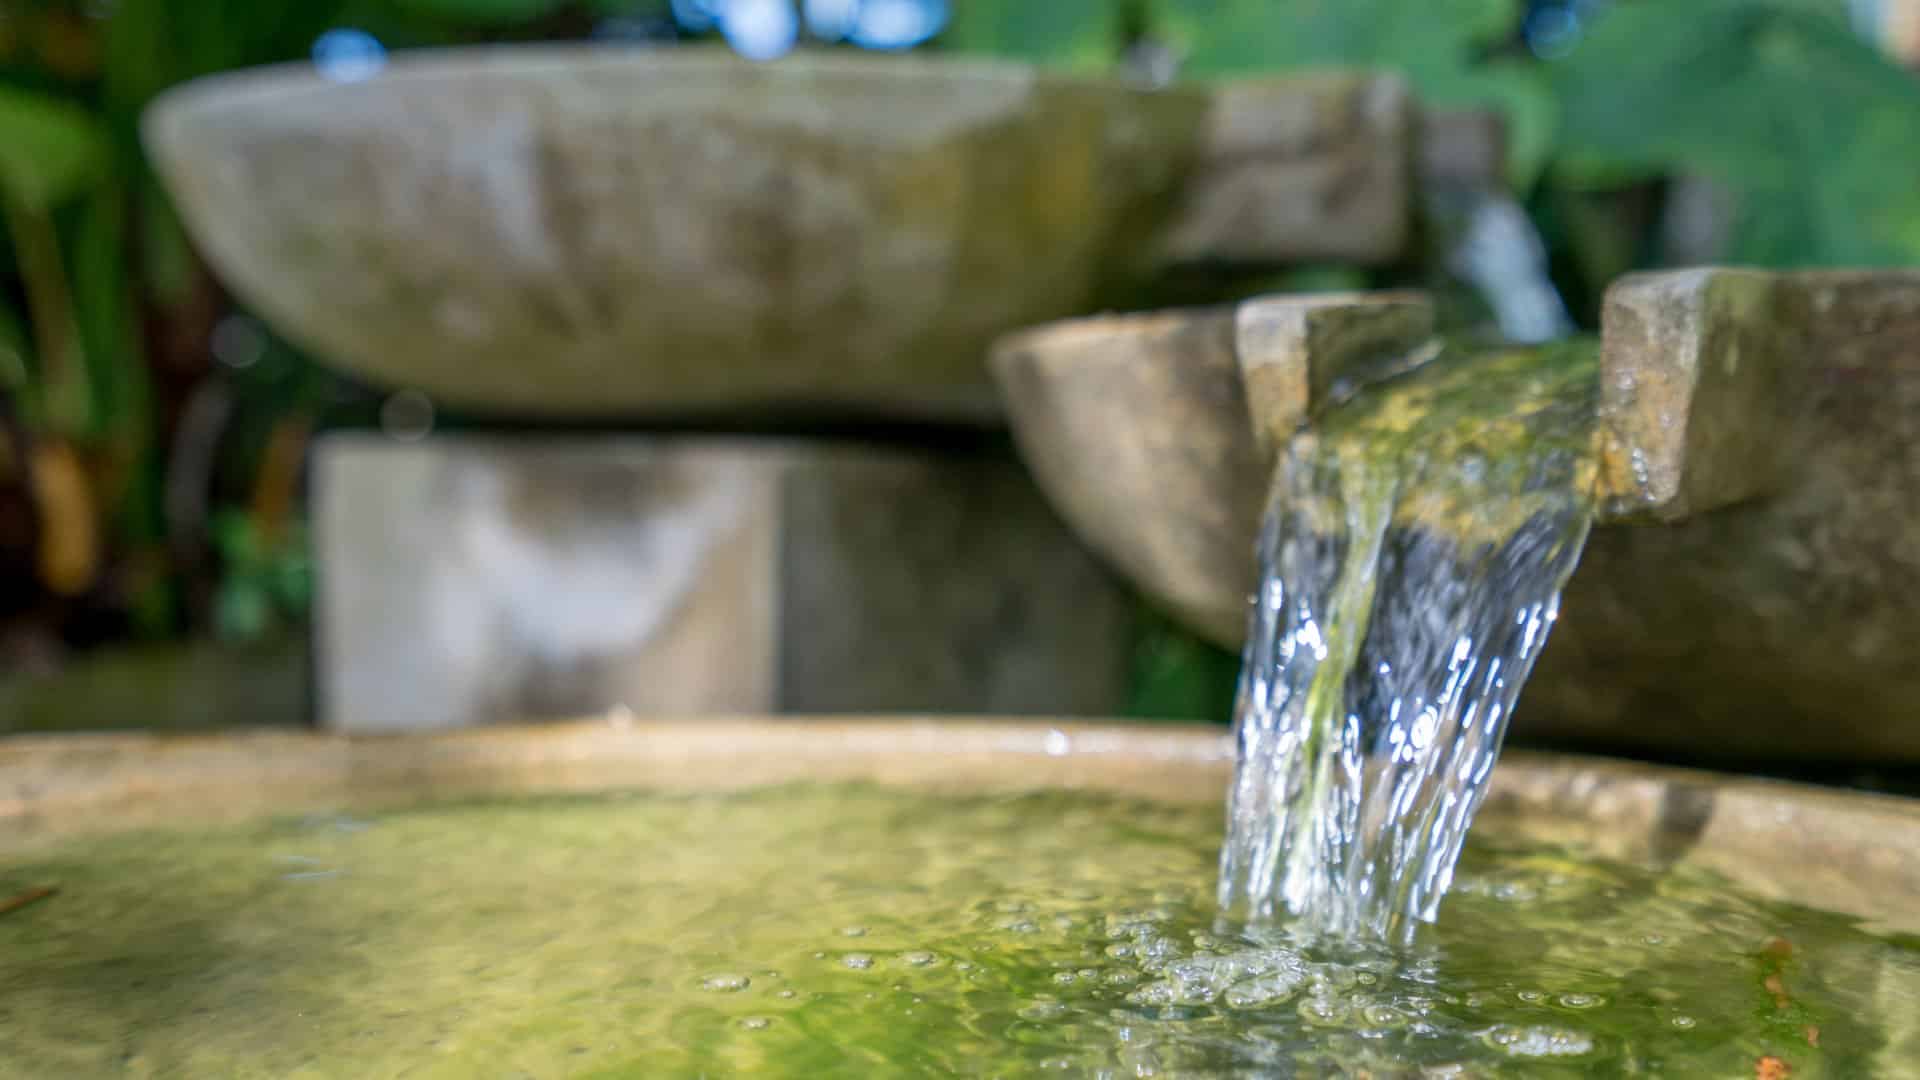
x,y
469,580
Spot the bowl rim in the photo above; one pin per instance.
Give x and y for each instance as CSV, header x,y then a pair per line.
x,y
1852,852
529,60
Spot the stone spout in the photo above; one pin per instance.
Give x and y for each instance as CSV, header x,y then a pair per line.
x,y
1755,585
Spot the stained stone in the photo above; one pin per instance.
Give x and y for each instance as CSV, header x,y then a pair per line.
x,y
473,580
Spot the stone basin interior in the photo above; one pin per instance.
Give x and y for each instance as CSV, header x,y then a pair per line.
x,y
1096,839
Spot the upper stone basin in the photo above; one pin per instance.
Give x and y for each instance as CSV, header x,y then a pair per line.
x,y
614,232
1754,593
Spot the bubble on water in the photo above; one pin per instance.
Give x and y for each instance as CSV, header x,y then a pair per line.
x,y
786,994
1323,1011
1119,952
1065,978
1019,926
1122,978
1043,1009
919,958
1653,939
1538,1042
1261,990
1012,907
1380,1015
963,965
1532,997
1513,892
857,961
725,983
853,931
1581,1001
756,1023
1684,1023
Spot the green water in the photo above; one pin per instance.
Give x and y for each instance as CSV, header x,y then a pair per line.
x,y
861,931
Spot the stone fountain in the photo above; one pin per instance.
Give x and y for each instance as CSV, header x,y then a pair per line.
x,y
1752,590
633,238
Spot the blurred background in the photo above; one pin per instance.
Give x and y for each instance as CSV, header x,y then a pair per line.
x,y
154,433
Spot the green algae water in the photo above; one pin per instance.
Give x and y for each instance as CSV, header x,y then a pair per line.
x,y
1415,544
811,930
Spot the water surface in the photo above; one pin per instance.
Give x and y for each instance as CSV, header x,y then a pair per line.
x,y
806,931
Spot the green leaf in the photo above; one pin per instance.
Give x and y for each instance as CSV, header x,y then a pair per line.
x,y
1232,36
50,150
481,12
1073,34
243,611
1811,128
13,349
108,319
1436,45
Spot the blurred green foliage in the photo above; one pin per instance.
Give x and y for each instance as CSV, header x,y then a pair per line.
x,y
1807,128
1804,126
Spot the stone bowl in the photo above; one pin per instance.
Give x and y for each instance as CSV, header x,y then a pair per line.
x,y
1752,584
1137,427
1856,854
586,231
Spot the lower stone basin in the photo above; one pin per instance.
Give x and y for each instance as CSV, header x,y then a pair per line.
x,y
245,901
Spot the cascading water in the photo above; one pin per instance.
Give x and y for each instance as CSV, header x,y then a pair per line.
x,y
1411,561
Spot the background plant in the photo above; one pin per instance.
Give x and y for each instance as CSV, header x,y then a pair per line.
x,y
152,435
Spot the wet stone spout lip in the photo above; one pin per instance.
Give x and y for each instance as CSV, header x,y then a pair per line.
x,y
1857,854
1154,433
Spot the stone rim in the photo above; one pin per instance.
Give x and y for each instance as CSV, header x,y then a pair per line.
x,y
1850,852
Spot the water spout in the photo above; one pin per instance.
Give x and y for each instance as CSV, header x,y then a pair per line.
x,y
1414,548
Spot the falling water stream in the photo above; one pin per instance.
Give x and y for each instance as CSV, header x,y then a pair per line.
x,y
1416,541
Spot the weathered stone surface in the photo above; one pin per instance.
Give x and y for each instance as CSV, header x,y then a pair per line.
x,y
475,580
1137,426
1784,625
614,232
1128,424
1757,589
1307,167
1699,380
1297,353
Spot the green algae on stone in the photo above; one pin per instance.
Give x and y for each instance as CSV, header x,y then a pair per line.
x,y
651,935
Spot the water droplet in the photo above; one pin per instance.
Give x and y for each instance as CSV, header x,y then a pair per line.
x,y
1043,1009
725,983
1538,1041
856,961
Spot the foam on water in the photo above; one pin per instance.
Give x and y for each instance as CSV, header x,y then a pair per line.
x,y
1411,561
